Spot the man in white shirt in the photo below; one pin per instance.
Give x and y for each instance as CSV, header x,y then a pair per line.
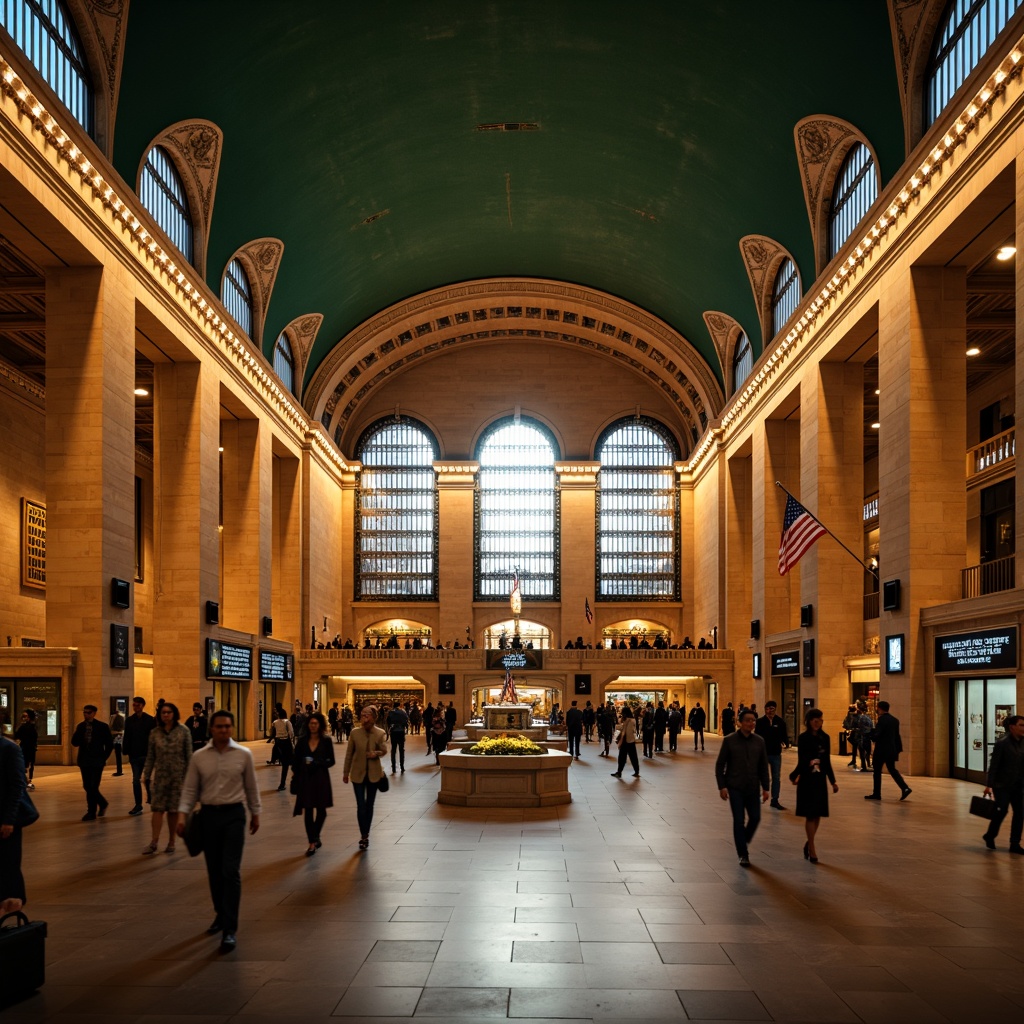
x,y
222,777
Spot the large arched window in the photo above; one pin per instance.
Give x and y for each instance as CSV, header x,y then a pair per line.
x,y
516,512
163,194
284,363
785,295
45,32
637,523
396,513
966,31
236,294
742,361
856,188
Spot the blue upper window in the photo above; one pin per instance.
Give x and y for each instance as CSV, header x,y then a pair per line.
x,y
236,294
45,32
284,363
856,188
163,194
785,295
968,28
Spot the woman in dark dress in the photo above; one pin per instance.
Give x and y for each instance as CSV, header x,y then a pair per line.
x,y
311,778
811,776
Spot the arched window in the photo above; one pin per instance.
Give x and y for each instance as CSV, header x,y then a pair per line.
x,y
742,361
284,363
396,513
856,188
966,31
516,512
637,521
236,294
785,295
45,32
163,194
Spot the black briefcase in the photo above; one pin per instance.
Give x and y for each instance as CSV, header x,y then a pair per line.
x,y
983,807
22,956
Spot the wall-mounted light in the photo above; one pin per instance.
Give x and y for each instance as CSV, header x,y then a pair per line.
x,y
324,630
876,425
141,392
974,351
1006,252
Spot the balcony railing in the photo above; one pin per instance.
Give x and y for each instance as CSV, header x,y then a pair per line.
x,y
871,606
991,453
989,577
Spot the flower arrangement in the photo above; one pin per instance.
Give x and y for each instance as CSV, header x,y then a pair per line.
x,y
505,744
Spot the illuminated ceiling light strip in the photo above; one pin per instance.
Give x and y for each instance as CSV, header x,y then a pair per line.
x,y
967,120
149,251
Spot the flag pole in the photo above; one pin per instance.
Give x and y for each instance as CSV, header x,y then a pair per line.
x,y
860,561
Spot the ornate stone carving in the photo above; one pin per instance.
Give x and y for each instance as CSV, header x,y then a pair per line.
x,y
261,258
724,331
762,256
107,18
817,139
302,332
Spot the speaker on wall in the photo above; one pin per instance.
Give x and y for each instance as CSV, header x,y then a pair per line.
x,y
808,658
891,596
268,626
582,683
446,683
806,616
755,629
212,613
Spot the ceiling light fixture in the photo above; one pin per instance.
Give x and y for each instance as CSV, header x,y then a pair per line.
x,y
974,351
875,426
1006,252
141,392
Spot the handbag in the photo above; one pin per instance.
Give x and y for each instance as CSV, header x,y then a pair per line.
x,y
383,785
193,834
983,807
22,955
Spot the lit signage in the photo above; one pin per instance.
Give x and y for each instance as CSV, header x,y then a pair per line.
x,y
275,665
786,663
227,661
982,649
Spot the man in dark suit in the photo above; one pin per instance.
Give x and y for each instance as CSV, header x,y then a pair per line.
x,y
1006,783
135,744
574,730
888,747
95,744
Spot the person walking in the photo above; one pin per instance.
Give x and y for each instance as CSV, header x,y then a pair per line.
x,y
333,723
415,718
574,729
675,724
135,744
94,742
864,729
27,736
170,750
811,776
589,721
13,785
647,729
626,740
728,719
311,778
347,721
698,719
222,777
283,735
116,724
888,747
852,733
196,725
660,725
438,736
741,769
451,716
772,729
1006,783
428,725
366,747
398,726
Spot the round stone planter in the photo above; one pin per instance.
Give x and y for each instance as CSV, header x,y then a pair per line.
x,y
534,780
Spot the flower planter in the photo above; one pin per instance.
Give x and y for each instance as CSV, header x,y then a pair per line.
x,y
532,780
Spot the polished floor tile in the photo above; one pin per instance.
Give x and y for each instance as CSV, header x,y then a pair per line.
x,y
627,904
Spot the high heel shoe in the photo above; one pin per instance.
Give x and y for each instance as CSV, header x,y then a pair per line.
x,y
364,842
812,858
807,852
150,849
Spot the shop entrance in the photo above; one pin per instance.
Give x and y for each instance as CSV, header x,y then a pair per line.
x,y
228,696
790,705
542,698
978,709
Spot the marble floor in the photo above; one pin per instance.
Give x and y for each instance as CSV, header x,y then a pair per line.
x,y
626,905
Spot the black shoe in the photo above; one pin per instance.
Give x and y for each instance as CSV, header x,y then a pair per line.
x,y
135,811
102,811
310,853
636,775
89,817
115,775
777,805
872,796
280,789
744,861
215,927
1017,849
318,844
616,775
403,769
228,942
906,793
989,841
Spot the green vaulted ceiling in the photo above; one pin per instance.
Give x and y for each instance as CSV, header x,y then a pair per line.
x,y
664,134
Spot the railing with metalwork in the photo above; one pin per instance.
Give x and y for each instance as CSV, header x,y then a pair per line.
x,y
871,605
551,656
991,452
989,577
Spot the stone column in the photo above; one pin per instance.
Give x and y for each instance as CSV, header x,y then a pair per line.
x,y
577,484
90,472
185,524
832,486
286,569
922,509
455,484
739,563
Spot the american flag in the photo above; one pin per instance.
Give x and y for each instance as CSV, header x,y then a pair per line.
x,y
515,579
799,531
586,609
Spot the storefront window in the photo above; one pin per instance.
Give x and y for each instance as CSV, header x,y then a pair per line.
x,y
979,707
40,695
